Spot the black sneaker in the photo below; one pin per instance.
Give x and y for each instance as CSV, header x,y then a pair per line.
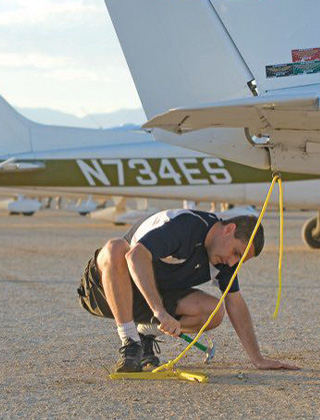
x,y
130,359
149,359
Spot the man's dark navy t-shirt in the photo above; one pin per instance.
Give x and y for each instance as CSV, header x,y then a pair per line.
x,y
175,239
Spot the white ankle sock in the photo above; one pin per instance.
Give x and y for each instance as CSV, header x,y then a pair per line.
x,y
128,330
149,329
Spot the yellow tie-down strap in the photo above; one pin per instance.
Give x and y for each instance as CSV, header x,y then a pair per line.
x,y
167,371
164,374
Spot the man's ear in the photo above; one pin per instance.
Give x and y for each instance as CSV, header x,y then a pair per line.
x,y
229,229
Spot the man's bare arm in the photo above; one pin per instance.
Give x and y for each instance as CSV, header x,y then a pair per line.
x,y
241,320
139,260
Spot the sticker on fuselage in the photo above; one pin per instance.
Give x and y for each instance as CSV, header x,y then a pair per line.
x,y
304,61
306,54
306,67
279,70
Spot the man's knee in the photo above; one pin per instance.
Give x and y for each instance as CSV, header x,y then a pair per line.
x,y
217,319
114,252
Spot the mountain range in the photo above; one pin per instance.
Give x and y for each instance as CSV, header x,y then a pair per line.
x,y
123,117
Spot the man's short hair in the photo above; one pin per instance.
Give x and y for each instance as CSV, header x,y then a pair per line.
x,y
244,228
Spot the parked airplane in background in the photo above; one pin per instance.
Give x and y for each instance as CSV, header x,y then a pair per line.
x,y
69,161
203,65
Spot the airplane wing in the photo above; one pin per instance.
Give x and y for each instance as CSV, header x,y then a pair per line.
x,y
262,113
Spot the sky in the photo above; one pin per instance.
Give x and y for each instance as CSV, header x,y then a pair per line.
x,y
64,55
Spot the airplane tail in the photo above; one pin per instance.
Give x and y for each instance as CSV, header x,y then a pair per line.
x,y
179,53
190,52
15,130
187,53
19,135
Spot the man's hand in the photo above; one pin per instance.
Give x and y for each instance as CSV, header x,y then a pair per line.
x,y
241,320
268,364
168,324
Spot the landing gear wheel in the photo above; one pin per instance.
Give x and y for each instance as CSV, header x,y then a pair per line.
x,y
28,213
308,234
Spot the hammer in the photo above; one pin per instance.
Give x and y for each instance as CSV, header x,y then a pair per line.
x,y
210,350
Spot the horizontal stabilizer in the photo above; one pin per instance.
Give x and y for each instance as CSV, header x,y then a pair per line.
x,y
262,113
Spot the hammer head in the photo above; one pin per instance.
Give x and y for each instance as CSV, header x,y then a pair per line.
x,y
211,350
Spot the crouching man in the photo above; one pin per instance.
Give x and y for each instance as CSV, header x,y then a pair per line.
x,y
151,273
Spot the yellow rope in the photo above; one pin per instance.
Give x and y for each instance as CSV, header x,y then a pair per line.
x,y
280,248
171,363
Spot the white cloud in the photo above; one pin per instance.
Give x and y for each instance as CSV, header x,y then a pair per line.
x,y
35,11
37,61
60,54
58,68
66,75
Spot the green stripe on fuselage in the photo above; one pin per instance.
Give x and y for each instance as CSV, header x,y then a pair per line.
x,y
140,172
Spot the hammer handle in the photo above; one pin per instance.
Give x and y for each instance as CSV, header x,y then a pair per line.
x,y
196,344
154,320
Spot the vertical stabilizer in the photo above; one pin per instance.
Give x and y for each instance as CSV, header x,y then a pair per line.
x,y
178,52
15,130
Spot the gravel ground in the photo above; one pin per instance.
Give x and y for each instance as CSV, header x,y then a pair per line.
x,y
53,353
